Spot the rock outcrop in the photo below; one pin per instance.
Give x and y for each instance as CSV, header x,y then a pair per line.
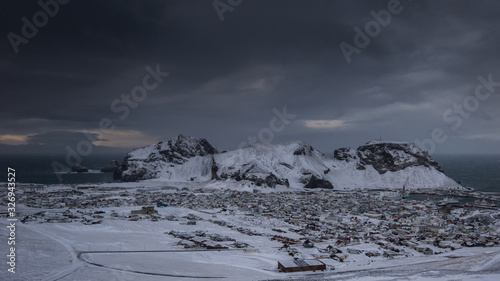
x,y
314,182
79,169
111,167
392,156
149,162
344,154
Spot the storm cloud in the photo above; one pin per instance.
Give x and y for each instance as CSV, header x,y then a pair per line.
x,y
227,78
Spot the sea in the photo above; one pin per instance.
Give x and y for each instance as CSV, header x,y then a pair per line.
x,y
39,169
481,172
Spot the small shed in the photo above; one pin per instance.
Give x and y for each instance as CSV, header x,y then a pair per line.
x,y
301,265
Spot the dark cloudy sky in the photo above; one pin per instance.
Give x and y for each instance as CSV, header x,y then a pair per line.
x,y
226,77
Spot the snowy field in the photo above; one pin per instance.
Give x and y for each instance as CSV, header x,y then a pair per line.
x,y
57,252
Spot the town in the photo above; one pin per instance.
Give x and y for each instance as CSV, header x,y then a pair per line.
x,y
310,229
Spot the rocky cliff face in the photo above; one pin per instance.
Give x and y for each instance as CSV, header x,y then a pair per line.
x,y
344,154
179,149
111,167
387,156
294,164
148,162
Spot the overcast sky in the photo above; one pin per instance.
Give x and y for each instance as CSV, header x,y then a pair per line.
x,y
231,79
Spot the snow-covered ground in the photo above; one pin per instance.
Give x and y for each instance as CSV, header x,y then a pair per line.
x,y
68,252
119,248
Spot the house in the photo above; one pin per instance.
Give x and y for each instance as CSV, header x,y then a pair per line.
x,y
343,240
300,265
240,245
339,257
424,250
392,254
411,244
187,244
436,229
214,246
428,251
417,227
372,253
444,244
144,211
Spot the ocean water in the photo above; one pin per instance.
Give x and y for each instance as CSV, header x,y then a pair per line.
x,y
38,169
481,172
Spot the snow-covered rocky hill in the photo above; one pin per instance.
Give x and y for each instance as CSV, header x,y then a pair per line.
x,y
294,164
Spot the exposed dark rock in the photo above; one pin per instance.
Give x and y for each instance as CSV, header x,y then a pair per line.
x,y
286,165
344,154
304,149
79,169
182,147
270,181
314,182
214,170
235,176
137,174
111,167
117,174
175,151
387,156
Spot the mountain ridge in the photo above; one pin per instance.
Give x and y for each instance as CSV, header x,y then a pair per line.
x,y
295,164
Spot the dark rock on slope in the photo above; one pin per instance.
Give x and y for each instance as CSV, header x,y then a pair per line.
x,y
111,167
